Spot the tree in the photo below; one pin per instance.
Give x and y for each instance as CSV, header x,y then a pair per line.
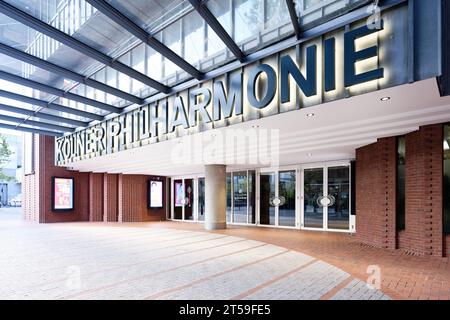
x,y
5,156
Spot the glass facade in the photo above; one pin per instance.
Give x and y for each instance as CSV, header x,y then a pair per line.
x,y
286,191
401,158
339,195
446,194
313,192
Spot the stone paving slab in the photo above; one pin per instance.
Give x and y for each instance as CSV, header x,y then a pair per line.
x,y
76,261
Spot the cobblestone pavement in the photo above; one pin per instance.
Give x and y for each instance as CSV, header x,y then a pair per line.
x,y
109,261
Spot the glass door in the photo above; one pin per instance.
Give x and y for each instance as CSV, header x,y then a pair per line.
x,y
277,198
326,197
183,199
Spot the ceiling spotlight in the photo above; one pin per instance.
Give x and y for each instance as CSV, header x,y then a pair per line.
x,y
255,126
385,99
309,115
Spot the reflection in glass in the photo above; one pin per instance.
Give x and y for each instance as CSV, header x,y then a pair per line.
x,y
339,191
267,193
189,199
251,197
286,190
178,199
313,190
446,194
201,199
229,197
240,197
401,153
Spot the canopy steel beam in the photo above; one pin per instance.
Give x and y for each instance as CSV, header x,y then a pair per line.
x,y
294,18
36,123
77,45
212,21
119,18
31,130
57,92
41,115
53,106
50,67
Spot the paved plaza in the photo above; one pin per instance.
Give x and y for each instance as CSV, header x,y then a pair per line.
x,y
110,261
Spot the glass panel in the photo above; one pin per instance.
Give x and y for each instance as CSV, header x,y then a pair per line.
x,y
251,196
313,191
256,23
172,39
446,179
194,37
339,194
229,209
267,193
189,199
240,197
178,199
286,189
315,12
201,199
401,153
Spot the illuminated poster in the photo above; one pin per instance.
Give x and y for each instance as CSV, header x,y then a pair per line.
x,y
179,194
156,194
62,193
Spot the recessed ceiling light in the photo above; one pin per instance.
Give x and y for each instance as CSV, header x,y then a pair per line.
x,y
385,99
309,115
255,126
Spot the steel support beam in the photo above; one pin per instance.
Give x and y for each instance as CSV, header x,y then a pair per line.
x,y
63,72
31,130
57,92
212,21
36,123
294,18
119,18
77,45
41,115
53,106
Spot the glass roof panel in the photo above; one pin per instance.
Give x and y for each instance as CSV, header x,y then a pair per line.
x,y
64,115
253,24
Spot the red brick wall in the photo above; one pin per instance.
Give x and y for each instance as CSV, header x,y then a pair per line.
x,y
423,233
134,199
110,198
375,193
95,196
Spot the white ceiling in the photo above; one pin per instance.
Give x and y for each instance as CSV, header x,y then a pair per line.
x,y
333,133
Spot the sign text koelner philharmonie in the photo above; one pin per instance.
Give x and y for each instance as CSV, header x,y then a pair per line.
x,y
307,74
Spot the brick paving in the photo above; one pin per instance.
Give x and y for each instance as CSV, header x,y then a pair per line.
x,y
171,260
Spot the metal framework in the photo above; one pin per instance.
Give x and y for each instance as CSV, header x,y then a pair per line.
x,y
53,106
42,115
57,92
144,36
31,130
77,45
212,21
48,66
294,18
36,123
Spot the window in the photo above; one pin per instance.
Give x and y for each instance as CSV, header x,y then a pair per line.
x,y
446,180
400,210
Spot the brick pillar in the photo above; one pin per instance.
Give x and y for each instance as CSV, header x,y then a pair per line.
x,y
95,197
424,173
110,198
375,193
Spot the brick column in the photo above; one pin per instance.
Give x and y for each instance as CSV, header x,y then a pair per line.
x,y
375,193
424,173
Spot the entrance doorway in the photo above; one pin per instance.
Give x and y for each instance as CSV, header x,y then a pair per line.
x,y
326,197
188,198
277,198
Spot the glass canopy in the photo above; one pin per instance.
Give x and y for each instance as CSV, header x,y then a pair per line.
x,y
44,41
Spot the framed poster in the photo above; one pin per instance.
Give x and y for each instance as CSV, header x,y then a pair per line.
x,y
179,194
155,194
62,194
